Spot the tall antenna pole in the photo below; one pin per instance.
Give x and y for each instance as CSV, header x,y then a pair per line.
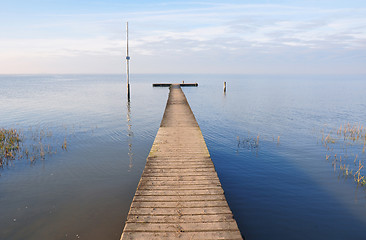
x,y
127,65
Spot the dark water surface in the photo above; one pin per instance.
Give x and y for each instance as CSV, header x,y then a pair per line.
x,y
264,135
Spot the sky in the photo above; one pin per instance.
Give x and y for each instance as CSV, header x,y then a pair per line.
x,y
217,37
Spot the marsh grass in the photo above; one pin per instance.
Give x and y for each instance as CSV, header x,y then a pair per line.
x,y
345,147
248,143
9,145
253,143
31,145
64,145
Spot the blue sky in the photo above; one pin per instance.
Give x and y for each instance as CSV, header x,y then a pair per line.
x,y
239,37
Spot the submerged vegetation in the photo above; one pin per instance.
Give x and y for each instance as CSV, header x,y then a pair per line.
x,y
345,148
9,144
30,145
252,143
248,143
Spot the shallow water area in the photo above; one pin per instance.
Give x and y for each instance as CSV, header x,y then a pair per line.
x,y
264,136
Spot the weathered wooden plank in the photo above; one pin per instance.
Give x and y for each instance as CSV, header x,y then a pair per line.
x,y
186,165
180,161
179,198
181,192
176,187
179,219
176,167
191,157
181,227
179,178
179,165
175,161
178,171
144,182
170,154
180,204
174,175
180,211
207,235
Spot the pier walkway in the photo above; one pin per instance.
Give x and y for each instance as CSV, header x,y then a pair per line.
x,y
179,195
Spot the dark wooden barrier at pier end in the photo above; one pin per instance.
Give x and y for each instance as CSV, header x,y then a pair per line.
x,y
180,84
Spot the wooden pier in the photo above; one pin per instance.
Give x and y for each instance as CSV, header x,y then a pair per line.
x,y
179,195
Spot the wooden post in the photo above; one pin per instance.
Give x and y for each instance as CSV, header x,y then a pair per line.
x,y
127,64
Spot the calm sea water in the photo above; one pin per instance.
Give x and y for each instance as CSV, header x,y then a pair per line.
x,y
265,135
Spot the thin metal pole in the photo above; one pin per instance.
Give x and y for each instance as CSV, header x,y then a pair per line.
x,y
127,64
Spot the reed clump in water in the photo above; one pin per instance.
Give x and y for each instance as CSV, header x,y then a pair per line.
x,y
31,145
252,143
64,145
248,143
346,149
9,144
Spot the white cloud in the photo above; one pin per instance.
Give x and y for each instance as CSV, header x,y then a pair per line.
x,y
243,33
58,47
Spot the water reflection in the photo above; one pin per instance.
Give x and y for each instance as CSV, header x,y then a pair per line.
x,y
129,134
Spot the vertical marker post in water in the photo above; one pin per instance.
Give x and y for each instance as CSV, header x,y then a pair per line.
x,y
127,64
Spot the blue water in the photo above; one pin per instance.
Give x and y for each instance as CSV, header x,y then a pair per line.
x,y
264,136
